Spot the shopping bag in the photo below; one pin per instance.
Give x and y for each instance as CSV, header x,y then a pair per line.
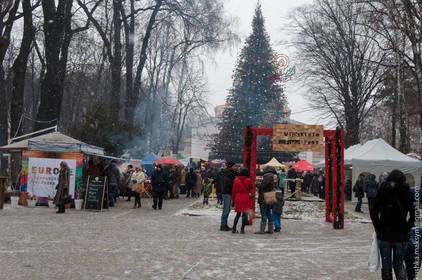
x,y
374,255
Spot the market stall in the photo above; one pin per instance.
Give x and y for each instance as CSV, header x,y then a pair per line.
x,y
274,163
148,163
37,160
377,156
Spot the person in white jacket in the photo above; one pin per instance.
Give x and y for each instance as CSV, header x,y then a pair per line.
x,y
137,185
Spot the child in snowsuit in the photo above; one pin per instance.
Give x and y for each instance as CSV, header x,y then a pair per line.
x,y
207,187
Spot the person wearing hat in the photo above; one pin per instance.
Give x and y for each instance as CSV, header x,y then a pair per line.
x,y
159,187
393,216
227,185
62,188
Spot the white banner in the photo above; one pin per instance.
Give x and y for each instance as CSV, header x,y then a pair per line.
x,y
43,176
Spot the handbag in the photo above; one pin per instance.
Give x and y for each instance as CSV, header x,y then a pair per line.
x,y
374,255
140,188
270,198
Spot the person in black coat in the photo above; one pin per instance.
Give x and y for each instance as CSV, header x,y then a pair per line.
x,y
292,174
371,189
358,188
229,175
393,216
348,189
217,179
159,187
113,179
191,179
307,180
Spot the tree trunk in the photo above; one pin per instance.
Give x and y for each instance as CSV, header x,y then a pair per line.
x,y
404,143
116,64
130,43
55,21
352,127
394,120
6,27
4,127
19,71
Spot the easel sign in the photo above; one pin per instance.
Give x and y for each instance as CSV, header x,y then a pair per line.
x,y
96,193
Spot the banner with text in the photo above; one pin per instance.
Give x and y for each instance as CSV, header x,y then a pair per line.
x,y
43,175
298,138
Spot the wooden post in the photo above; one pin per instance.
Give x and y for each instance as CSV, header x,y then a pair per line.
x,y
298,194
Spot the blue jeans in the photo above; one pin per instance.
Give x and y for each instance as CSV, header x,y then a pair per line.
x,y
112,194
392,256
227,206
359,204
266,213
277,220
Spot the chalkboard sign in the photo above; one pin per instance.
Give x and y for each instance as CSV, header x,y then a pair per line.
x,y
96,193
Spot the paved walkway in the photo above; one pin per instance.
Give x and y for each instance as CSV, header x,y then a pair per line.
x,y
126,243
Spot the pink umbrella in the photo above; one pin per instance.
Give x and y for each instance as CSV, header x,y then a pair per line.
x,y
303,165
168,161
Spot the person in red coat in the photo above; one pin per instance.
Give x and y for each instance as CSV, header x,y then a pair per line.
x,y
241,196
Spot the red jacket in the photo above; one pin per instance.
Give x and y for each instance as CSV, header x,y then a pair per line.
x,y
240,194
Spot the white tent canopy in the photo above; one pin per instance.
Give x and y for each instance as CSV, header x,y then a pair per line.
x,y
53,142
274,163
349,153
377,156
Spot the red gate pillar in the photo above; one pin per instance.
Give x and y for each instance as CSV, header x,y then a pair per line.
x,y
328,175
334,177
249,154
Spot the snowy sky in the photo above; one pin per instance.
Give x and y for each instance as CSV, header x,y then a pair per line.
x,y
276,13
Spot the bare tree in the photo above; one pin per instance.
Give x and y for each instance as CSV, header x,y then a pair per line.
x,y
398,23
343,66
8,11
58,33
19,69
190,89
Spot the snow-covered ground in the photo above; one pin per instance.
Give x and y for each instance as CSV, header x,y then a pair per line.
x,y
311,209
182,241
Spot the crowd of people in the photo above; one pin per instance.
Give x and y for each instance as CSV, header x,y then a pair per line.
x,y
237,191
390,200
165,182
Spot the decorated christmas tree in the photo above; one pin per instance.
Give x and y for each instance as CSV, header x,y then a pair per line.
x,y
255,99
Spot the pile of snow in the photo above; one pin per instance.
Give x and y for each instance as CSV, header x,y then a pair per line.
x,y
296,210
301,210
198,209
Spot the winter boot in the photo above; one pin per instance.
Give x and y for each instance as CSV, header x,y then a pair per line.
x,y
386,275
270,228
225,228
262,229
242,229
